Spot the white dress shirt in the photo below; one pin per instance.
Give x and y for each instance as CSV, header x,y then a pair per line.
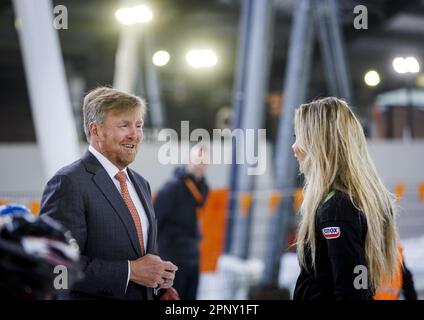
x,y
112,170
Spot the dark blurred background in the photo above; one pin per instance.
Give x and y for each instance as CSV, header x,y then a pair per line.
x,y
89,47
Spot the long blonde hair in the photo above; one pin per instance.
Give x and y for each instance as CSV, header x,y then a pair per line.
x,y
336,157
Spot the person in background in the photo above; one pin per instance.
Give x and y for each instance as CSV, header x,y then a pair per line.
x,y
176,206
348,229
107,206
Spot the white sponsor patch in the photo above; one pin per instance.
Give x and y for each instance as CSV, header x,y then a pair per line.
x,y
331,232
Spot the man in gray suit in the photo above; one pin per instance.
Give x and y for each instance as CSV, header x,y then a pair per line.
x,y
107,206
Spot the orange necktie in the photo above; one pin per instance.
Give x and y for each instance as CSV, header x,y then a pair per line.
x,y
121,177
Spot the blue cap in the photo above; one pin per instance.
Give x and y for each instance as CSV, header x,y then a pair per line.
x,y
13,209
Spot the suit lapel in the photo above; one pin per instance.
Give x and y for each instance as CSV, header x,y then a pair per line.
x,y
148,208
111,193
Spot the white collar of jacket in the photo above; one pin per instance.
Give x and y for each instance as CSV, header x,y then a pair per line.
x,y
110,168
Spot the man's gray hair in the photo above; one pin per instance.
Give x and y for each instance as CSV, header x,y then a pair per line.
x,y
102,99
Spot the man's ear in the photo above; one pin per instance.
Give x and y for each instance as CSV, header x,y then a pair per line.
x,y
94,129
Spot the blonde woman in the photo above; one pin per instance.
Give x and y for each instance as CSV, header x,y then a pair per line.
x,y
347,235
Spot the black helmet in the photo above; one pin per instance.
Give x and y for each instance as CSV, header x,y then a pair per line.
x,y
33,252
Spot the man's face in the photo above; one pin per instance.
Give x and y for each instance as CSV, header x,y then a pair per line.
x,y
119,136
198,162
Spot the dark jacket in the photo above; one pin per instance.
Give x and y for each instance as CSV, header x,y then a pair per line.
x,y
84,199
178,227
408,286
340,231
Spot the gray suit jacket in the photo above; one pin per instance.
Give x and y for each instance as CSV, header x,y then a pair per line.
x,y
85,200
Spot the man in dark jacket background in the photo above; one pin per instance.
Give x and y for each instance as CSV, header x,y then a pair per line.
x,y
176,205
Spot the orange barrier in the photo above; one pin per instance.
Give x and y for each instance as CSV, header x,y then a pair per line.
x,y
245,203
274,200
400,190
35,207
298,199
213,224
276,197
213,218
421,192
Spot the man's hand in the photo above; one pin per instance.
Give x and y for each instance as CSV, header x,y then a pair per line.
x,y
151,271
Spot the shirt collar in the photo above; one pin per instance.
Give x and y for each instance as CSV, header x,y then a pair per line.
x,y
110,168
